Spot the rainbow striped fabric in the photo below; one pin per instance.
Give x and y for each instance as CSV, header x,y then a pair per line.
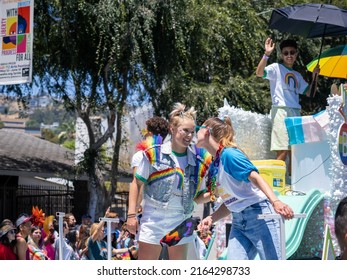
x,y
152,148
161,174
153,141
203,162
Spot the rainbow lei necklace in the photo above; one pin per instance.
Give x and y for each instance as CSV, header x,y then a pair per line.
x,y
212,174
203,161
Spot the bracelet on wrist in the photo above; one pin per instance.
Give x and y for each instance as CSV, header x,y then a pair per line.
x,y
265,57
133,215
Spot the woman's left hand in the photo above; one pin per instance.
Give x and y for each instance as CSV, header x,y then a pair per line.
x,y
285,210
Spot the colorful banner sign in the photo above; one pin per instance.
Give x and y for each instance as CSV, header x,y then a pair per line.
x,y
16,46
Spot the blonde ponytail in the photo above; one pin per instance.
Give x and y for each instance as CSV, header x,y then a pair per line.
x,y
178,113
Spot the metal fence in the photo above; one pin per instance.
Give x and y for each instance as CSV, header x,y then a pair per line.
x,y
50,199
120,204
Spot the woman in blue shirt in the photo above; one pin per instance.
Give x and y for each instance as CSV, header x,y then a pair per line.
x,y
244,193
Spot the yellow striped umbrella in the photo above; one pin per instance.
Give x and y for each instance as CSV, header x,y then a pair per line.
x,y
332,62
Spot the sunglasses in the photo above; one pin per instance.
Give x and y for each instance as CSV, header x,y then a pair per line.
x,y
289,53
12,231
198,127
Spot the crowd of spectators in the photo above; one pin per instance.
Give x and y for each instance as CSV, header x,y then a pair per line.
x,y
30,237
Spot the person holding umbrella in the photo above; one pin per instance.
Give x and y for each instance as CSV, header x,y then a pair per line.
x,y
285,86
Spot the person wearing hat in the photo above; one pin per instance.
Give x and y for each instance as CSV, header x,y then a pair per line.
x,y
6,222
23,224
7,239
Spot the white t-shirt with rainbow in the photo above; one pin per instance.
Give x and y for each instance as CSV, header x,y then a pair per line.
x,y
285,85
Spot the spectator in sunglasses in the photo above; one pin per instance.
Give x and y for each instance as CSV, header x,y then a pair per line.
x,y
285,86
23,224
7,240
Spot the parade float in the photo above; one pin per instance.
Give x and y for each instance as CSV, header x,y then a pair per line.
x,y
318,181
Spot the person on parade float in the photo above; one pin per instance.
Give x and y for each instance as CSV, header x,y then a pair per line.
x,y
285,86
172,175
245,194
155,133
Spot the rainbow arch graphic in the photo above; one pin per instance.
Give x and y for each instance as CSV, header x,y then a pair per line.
x,y
291,79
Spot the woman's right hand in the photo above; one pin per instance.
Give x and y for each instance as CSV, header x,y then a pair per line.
x,y
132,225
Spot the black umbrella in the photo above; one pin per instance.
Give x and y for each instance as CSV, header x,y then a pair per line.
x,y
310,21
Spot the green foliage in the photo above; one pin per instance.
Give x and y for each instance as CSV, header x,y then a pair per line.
x,y
214,57
49,135
223,42
48,116
67,131
69,144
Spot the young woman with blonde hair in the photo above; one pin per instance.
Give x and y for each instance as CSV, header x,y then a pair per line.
x,y
244,193
96,246
172,176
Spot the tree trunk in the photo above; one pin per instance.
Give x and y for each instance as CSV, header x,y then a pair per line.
x,y
115,160
93,197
